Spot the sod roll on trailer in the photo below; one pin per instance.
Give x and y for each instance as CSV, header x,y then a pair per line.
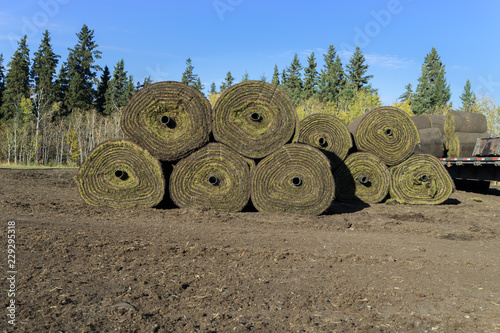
x,y
465,122
362,176
327,133
296,178
421,179
255,118
121,174
215,176
169,119
386,132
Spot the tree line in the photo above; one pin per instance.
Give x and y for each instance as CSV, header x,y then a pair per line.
x,y
54,112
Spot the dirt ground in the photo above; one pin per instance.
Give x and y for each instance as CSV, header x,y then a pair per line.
x,y
384,268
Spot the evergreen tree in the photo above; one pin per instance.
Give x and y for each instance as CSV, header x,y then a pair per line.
x,y
468,98
293,84
116,93
244,77
188,77
61,85
283,78
17,81
82,71
43,71
276,78
263,77
311,77
356,70
102,87
130,89
213,89
199,86
332,79
432,89
228,82
2,80
407,95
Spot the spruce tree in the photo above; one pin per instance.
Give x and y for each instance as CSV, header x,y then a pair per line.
x,y
188,77
61,86
213,89
468,98
116,94
293,84
276,76
17,81
263,77
130,89
102,87
82,71
244,77
43,71
432,89
356,70
407,95
332,78
311,77
2,80
228,82
199,86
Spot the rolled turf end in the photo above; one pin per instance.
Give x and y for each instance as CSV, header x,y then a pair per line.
x,y
362,177
170,119
254,118
215,177
121,174
421,179
296,178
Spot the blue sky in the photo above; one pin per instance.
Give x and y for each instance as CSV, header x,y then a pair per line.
x,y
156,37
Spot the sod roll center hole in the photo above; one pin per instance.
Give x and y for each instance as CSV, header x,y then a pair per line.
x,y
322,142
389,132
363,179
214,181
297,181
424,178
167,121
256,117
120,174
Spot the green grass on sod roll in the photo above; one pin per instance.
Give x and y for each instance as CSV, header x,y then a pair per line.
x,y
461,144
215,176
362,176
296,178
327,133
170,119
255,118
386,132
421,179
121,174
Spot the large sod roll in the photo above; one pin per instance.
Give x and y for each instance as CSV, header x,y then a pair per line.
x,y
169,119
429,121
386,132
327,133
431,142
462,144
255,118
465,122
363,176
296,178
121,174
215,176
421,179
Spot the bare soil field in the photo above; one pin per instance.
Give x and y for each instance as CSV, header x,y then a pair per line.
x,y
379,268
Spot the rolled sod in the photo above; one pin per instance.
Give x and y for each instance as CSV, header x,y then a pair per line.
x,y
465,122
296,178
363,176
215,177
431,142
327,133
255,118
421,179
386,132
169,119
462,144
121,174
430,121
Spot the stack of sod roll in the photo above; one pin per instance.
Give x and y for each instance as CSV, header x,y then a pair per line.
x,y
251,149
461,131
